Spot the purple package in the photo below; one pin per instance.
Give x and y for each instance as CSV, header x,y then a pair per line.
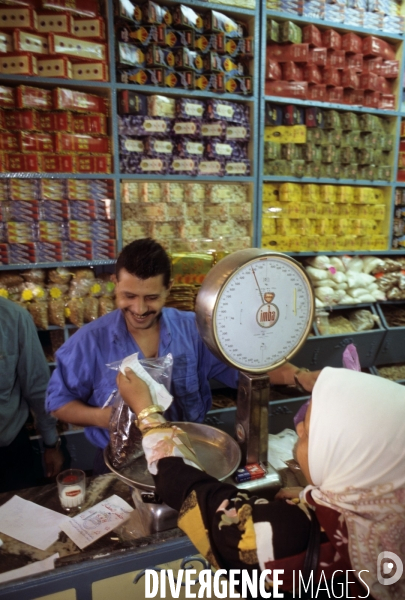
x,y
214,129
237,167
230,111
54,210
139,125
225,150
189,127
239,133
186,148
183,166
300,415
211,167
350,358
189,107
129,144
155,147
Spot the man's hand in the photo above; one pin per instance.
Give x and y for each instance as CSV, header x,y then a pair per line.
x,y
307,379
134,391
288,493
53,459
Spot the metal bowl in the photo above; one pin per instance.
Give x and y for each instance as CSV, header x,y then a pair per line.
x,y
217,452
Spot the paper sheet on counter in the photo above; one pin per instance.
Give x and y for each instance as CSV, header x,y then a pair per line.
x,y
95,522
36,567
30,523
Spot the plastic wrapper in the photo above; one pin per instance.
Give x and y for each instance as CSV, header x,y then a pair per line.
x,y
9,279
90,304
363,319
56,311
125,437
79,288
36,276
39,313
59,275
32,291
105,305
74,311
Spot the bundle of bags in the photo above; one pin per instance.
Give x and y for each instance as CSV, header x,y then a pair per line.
x,y
345,279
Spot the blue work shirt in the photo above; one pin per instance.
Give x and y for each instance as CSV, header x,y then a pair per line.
x,y
81,372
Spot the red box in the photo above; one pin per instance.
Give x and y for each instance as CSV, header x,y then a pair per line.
x,y
4,258
55,67
20,119
334,94
317,92
312,36
387,102
57,164
67,142
85,8
93,124
298,53
7,97
23,162
18,63
288,89
374,46
25,17
353,97
55,121
384,85
372,99
35,142
336,59
372,65
352,43
355,61
370,81
90,71
358,97
390,69
350,79
273,70
89,28
291,72
54,22
33,97
64,99
317,56
312,74
331,76
9,142
331,39
92,164
26,41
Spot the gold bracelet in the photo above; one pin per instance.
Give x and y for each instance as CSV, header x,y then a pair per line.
x,y
297,385
149,410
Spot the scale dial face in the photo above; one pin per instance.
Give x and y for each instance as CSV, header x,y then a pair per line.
x,y
263,313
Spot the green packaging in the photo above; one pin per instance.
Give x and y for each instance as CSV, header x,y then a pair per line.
x,y
349,121
332,119
272,150
290,32
273,31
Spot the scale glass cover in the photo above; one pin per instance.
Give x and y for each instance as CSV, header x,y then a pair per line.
x,y
255,309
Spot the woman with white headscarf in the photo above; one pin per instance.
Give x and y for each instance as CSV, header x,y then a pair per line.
x,y
351,448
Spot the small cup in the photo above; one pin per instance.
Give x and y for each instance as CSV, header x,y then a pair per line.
x,y
71,488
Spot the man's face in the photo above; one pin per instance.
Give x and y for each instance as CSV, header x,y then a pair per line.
x,y
141,300
301,447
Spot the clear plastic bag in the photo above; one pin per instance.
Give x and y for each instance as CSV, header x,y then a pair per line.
x,y
125,437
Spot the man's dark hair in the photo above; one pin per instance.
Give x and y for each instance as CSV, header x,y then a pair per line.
x,y
145,258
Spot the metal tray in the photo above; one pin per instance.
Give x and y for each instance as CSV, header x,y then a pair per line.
x,y
218,453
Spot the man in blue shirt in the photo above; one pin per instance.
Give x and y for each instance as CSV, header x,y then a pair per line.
x,y
81,383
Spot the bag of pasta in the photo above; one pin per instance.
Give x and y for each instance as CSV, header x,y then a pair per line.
x,y
106,305
74,311
90,309
39,313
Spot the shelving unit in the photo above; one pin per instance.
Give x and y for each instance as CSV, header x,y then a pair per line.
x,y
394,115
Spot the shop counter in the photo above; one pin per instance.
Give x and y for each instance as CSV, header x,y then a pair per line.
x,y
106,568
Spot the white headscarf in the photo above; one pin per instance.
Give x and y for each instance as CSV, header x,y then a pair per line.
x,y
356,459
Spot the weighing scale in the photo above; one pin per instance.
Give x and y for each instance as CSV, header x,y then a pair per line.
x,y
254,311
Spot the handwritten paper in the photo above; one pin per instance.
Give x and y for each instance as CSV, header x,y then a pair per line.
x,y
95,522
38,566
30,523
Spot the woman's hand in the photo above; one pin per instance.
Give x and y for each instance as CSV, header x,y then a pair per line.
x,y
134,391
307,379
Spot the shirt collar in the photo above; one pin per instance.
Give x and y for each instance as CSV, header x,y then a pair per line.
x,y
120,330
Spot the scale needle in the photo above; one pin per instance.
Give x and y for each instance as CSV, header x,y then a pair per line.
x,y
257,283
295,302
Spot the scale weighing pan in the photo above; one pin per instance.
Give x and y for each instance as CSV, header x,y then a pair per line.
x,y
217,452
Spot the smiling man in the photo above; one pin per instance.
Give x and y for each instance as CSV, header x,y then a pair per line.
x,y
81,383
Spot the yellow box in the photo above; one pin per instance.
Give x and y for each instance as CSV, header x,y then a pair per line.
x,y
377,211
284,227
291,209
310,192
344,194
309,209
323,226
290,192
268,225
270,191
328,242
311,242
378,242
327,193
277,242
296,134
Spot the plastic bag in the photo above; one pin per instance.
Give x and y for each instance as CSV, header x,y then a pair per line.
x,y
363,319
105,305
125,437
